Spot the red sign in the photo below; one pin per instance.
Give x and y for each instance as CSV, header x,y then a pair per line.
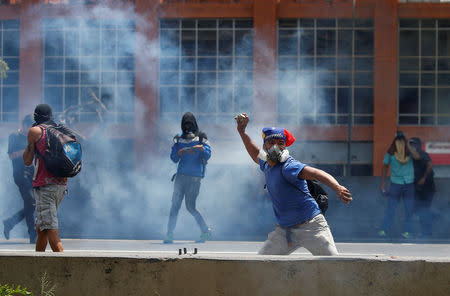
x,y
439,152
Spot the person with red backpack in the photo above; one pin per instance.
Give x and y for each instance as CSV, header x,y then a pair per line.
x,y
300,221
49,190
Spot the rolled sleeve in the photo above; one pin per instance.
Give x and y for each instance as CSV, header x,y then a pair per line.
x,y
387,159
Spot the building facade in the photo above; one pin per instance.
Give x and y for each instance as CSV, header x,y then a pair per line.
x,y
328,70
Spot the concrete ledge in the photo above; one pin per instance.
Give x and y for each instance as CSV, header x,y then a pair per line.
x,y
94,274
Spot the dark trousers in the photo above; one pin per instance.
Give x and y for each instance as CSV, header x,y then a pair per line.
x,y
398,191
26,191
423,200
186,187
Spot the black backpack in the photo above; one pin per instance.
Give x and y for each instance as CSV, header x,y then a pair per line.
x,y
62,157
317,192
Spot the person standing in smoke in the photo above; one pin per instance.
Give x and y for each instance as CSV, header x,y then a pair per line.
x,y
300,223
398,157
49,190
424,188
191,150
23,177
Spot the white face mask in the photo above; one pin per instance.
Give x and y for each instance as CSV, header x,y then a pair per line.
x,y
274,154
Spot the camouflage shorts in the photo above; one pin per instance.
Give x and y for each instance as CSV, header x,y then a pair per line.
x,y
48,198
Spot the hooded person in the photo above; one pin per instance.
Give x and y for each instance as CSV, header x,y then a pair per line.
x,y
399,157
424,188
191,150
300,222
43,115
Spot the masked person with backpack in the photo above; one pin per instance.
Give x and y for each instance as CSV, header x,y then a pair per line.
x,y
50,187
23,176
191,150
300,222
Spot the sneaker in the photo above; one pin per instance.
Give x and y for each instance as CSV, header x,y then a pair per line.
x,y
204,236
168,239
6,229
406,235
381,233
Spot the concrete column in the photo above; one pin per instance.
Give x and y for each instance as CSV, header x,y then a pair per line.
x,y
385,79
265,61
30,61
146,80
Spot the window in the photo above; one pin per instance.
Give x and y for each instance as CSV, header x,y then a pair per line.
x,y
9,86
206,67
316,60
424,72
88,69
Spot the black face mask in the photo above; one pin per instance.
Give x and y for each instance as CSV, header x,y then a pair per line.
x,y
43,113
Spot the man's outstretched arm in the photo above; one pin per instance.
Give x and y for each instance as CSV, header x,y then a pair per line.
x,y
250,145
310,173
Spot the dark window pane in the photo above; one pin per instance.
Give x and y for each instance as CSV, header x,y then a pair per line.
x,y
428,23
53,77
363,42
188,78
53,44
344,78
363,101
444,43
188,44
328,64
225,78
409,43
345,42
428,64
169,43
408,100
326,42
10,99
206,78
243,64
287,23
444,100
408,23
225,42
361,170
72,78
428,43
325,120
307,64
307,23
427,120
364,78
287,42
207,43
306,119
428,79
225,24
444,79
207,24
188,24
320,23
363,64
71,96
52,96
343,99
325,78
408,79
12,78
307,43
187,64
443,120
344,63
11,24
444,64
243,43
244,24
364,23
167,64
345,23
444,23
409,64
407,120
427,100
206,64
169,24
363,120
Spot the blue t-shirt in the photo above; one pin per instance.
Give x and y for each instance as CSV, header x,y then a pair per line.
x,y
292,203
191,164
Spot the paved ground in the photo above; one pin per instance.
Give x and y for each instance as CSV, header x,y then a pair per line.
x,y
146,248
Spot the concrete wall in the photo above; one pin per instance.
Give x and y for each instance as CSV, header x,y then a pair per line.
x,y
215,276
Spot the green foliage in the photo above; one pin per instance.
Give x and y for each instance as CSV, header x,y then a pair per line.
x,y
7,290
3,68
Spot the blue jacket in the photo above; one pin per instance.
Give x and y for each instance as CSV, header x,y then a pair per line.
x,y
190,164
